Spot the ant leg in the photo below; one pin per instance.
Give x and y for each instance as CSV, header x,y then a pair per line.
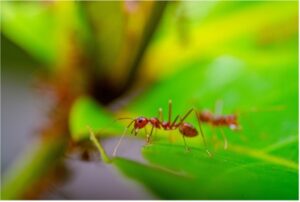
x,y
135,131
120,140
160,115
146,134
202,134
224,138
185,145
149,136
218,107
199,123
185,116
154,134
213,136
174,122
170,111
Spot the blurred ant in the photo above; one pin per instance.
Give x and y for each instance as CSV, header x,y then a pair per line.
x,y
229,120
218,120
186,129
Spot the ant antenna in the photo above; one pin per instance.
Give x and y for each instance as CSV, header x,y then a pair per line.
x,y
174,122
186,115
125,118
186,147
120,140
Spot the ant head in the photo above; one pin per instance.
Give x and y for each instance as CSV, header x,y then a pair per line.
x,y
233,123
231,119
140,122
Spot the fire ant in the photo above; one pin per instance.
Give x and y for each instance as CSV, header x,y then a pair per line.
x,y
229,120
186,129
218,120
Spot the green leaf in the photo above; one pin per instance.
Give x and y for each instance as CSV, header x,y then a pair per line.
x,y
27,24
249,174
86,113
45,30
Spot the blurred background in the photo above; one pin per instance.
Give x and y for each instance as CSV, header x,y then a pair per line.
x,y
66,65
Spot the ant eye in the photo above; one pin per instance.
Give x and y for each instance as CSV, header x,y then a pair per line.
x,y
140,120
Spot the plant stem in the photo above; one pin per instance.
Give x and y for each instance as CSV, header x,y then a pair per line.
x,y
31,167
152,24
100,148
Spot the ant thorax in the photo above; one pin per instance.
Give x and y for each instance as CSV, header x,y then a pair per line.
x,y
166,125
155,122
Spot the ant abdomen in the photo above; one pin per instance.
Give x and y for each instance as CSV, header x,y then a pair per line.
x,y
219,120
188,130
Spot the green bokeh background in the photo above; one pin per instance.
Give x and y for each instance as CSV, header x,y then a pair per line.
x,y
135,56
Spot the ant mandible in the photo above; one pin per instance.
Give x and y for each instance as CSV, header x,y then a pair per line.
x,y
186,129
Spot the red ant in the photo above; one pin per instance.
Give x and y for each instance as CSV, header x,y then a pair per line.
x,y
218,120
186,129
229,120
